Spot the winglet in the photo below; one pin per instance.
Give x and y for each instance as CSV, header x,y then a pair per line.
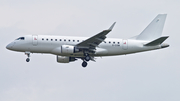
x,y
112,26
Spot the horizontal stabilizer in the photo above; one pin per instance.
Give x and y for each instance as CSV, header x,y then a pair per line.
x,y
157,41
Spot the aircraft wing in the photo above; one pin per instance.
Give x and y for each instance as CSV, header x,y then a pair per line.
x,y
94,41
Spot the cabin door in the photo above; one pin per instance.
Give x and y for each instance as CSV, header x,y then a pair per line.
x,y
35,40
125,44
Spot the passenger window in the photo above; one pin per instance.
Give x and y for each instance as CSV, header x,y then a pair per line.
x,y
77,40
69,40
109,41
51,39
104,41
73,40
42,38
47,39
55,39
59,39
64,39
113,42
118,42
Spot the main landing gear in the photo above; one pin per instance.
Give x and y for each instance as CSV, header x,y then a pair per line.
x,y
28,55
86,59
28,59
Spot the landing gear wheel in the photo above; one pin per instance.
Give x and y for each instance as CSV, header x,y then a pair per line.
x,y
84,64
28,55
87,58
27,60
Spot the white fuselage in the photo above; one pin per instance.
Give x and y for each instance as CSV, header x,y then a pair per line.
x,y
51,44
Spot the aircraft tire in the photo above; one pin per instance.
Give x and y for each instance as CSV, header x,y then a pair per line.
x,y
84,64
87,58
27,60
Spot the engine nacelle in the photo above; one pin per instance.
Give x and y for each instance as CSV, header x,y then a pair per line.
x,y
65,49
68,49
65,59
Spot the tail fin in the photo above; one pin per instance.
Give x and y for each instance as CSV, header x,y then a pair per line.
x,y
154,29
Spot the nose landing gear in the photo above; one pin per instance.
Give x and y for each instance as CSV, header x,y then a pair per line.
x,y
28,59
28,55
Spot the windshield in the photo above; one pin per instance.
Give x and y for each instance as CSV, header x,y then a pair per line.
x,y
20,38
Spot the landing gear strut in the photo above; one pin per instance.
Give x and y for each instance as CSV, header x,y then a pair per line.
x,y
28,55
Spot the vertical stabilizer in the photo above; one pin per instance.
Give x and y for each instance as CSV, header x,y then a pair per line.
x,y
154,29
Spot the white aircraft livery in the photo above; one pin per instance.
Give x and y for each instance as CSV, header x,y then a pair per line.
x,y
69,49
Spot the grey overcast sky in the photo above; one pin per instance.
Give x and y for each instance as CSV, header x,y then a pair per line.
x,y
148,76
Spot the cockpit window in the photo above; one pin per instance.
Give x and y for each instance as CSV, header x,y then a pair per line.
x,y
20,38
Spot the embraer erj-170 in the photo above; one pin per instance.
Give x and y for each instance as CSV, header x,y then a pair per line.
x,y
69,49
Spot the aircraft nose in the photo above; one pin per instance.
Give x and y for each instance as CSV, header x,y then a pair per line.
x,y
9,46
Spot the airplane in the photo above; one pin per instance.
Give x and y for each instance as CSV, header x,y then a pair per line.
x,y
69,49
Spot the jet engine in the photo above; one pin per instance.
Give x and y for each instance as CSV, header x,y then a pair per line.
x,y
65,49
68,49
65,59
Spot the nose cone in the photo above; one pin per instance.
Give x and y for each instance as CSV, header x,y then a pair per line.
x,y
9,46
